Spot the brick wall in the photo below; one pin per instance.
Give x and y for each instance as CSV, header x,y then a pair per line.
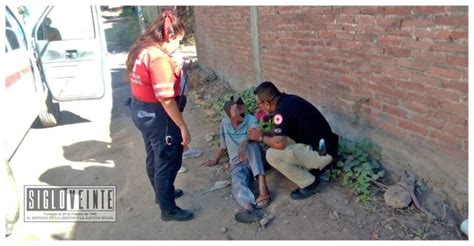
x,y
224,38
399,71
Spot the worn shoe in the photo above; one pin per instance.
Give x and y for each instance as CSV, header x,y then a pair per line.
x,y
248,216
303,193
177,214
190,153
182,170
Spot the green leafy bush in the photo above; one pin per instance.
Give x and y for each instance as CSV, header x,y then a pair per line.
x,y
359,167
247,96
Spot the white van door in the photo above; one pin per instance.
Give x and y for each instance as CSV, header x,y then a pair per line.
x,y
70,45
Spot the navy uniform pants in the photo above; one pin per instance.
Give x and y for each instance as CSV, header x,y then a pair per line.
x,y
163,157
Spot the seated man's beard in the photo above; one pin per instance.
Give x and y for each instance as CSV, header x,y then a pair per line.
x,y
238,118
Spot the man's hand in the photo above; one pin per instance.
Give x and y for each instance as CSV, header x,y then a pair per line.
x,y
255,134
210,163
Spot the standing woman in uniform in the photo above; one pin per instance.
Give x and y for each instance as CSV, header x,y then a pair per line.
x,y
157,106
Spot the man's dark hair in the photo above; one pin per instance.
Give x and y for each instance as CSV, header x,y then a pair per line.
x,y
266,91
232,100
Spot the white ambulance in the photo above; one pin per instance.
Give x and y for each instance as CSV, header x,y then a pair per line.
x,y
52,54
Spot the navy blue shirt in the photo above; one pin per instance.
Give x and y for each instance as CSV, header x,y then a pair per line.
x,y
299,120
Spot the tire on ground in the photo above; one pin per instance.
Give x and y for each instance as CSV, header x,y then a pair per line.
x,y
50,115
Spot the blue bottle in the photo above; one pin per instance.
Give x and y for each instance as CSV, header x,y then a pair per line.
x,y
322,147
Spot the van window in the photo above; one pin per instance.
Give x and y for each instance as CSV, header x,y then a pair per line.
x,y
14,33
12,40
77,26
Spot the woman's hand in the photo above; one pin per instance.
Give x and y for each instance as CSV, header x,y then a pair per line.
x,y
185,135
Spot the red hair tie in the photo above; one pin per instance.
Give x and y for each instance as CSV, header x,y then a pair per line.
x,y
168,21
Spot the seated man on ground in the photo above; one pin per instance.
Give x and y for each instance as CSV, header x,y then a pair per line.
x,y
301,144
245,160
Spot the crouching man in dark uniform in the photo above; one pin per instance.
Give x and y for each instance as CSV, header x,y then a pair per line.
x,y
300,130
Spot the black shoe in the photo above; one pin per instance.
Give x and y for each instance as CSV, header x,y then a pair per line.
x,y
303,193
177,214
178,193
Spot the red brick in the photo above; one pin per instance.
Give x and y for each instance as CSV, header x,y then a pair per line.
x,y
325,34
374,50
457,60
455,107
428,121
458,20
429,9
434,81
320,19
384,40
368,29
402,95
456,130
427,100
382,60
348,10
383,95
334,44
345,36
320,10
423,34
465,76
392,129
445,72
419,45
451,117
371,10
348,27
397,52
459,34
443,94
428,57
412,127
402,10
351,45
410,64
399,73
344,19
411,86
375,69
415,107
389,22
363,37
419,22
450,47
457,9
375,104
365,19
332,26
400,112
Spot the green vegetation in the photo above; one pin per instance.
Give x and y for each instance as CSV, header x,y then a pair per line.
x,y
247,96
123,33
359,166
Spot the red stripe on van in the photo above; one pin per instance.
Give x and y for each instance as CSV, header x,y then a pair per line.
x,y
15,77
